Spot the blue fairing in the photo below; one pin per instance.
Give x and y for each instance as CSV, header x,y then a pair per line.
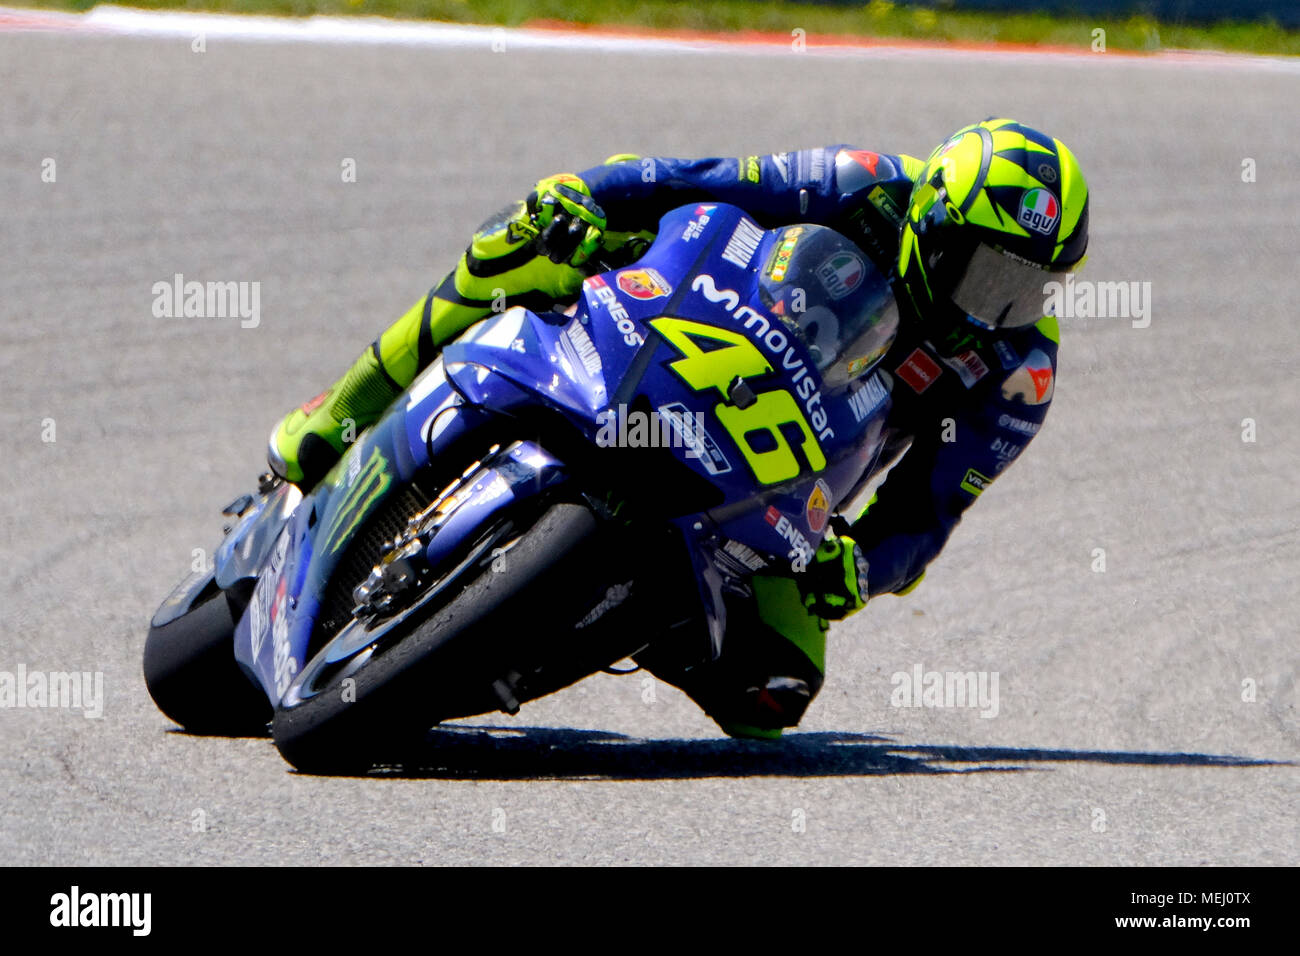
x,y
630,360
589,365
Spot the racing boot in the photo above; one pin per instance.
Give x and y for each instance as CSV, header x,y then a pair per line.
x,y
310,439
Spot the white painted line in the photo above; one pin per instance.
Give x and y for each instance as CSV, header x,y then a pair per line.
x,y
123,21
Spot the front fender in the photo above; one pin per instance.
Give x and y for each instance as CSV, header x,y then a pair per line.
x,y
244,551
240,555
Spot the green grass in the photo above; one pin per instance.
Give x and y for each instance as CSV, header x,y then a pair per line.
x,y
879,18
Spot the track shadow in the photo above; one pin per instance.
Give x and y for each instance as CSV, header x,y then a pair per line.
x,y
540,753
251,734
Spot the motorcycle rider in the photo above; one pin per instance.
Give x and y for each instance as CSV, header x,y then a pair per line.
x,y
969,236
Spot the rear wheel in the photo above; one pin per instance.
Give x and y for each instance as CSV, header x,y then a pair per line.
x,y
372,694
193,677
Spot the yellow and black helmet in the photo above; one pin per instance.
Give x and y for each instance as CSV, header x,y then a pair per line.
x,y
998,211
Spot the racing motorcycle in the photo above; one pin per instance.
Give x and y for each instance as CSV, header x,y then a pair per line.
x,y
557,492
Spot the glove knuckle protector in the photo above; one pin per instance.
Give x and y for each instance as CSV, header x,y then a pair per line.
x,y
835,586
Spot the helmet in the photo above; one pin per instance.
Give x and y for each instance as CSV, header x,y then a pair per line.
x,y
998,211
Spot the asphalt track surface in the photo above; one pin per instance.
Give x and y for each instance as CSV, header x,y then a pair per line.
x,y
1122,735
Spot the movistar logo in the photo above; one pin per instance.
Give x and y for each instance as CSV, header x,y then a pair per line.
x,y
363,491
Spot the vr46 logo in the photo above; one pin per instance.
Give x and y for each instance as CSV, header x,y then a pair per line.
x,y
732,356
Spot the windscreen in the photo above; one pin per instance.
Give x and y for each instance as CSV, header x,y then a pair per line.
x,y
822,285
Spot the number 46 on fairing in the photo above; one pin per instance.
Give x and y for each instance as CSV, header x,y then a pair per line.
x,y
738,357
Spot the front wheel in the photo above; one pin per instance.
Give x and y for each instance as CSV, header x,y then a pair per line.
x,y
345,708
193,677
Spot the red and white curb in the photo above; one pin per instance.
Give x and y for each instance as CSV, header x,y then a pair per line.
x,y
123,21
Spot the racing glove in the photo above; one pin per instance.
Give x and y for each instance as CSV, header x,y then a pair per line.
x,y
565,220
535,246
835,582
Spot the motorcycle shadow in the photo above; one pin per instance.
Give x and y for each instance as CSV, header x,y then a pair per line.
x,y
543,753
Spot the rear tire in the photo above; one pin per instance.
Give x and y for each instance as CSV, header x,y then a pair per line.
x,y
193,677
447,664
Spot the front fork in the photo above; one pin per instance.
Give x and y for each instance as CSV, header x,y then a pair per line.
x,y
502,479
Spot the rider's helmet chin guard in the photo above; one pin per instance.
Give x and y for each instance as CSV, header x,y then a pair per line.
x,y
998,212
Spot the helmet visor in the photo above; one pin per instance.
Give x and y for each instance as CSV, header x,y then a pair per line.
x,y
1003,291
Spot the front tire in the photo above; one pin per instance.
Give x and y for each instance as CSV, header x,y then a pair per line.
x,y
449,662
193,677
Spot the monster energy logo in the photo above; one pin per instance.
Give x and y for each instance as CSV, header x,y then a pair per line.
x,y
369,485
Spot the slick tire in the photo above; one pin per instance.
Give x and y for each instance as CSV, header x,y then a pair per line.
x,y
446,664
191,673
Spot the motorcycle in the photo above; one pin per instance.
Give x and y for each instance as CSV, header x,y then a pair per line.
x,y
557,492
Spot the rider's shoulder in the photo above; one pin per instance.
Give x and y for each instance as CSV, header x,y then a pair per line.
x,y
1043,337
1048,331
858,169
1024,363
1045,334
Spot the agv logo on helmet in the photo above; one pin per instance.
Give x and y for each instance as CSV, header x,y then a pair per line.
x,y
1039,211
